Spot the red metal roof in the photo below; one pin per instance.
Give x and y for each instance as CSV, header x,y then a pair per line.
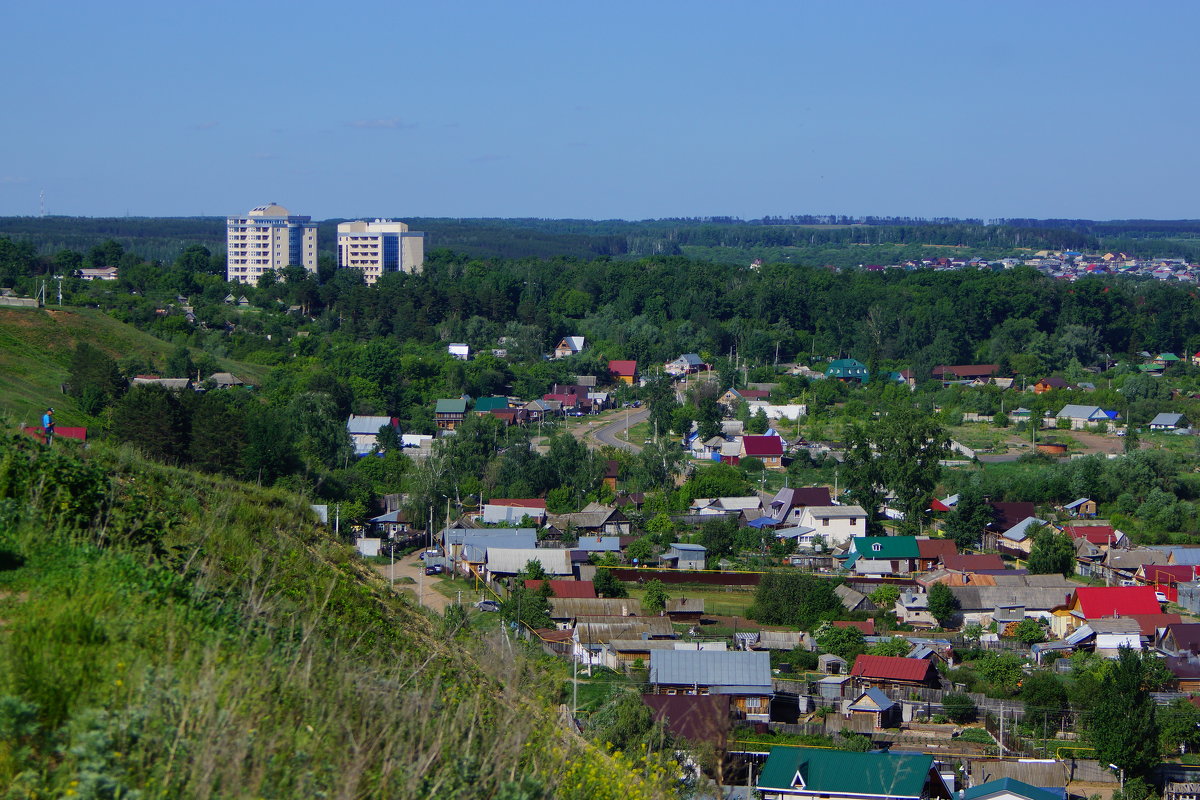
x,y
1096,534
762,445
518,503
966,370
623,368
754,394
893,668
565,589
1172,573
1096,602
867,626
938,505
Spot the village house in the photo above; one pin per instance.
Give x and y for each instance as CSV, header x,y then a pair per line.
x,y
1083,507
623,371
848,370
912,608
788,504
883,555
837,525
594,520
681,555
743,675
802,773
1169,422
1089,603
768,449
890,672
686,364
505,511
364,431
1080,417
568,346
965,373
449,414
1009,789
1050,384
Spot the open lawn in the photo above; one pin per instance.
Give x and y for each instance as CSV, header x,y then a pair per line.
x,y
35,354
718,602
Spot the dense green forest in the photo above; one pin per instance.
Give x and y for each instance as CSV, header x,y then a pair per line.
x,y
820,240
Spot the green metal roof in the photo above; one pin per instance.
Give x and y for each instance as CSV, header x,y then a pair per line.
x,y
884,547
491,404
1008,786
458,406
845,772
847,368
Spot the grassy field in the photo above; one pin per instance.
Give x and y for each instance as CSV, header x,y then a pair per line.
x,y
721,602
35,354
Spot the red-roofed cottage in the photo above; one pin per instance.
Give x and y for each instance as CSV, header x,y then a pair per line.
x,y
1100,602
884,672
1103,536
623,371
769,449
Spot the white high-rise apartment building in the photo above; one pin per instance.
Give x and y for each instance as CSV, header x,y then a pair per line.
x,y
268,238
380,246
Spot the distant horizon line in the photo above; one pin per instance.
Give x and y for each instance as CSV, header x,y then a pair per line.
x,y
866,220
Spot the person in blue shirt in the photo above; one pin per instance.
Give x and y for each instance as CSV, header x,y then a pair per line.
x,y
48,425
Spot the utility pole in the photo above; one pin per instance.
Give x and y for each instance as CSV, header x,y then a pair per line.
x,y
1002,730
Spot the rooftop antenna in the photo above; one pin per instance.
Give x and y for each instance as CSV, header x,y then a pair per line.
x,y
42,202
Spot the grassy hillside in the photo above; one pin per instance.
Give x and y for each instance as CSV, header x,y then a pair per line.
x,y
166,635
35,352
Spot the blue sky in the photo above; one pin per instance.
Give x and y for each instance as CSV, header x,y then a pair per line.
x,y
601,110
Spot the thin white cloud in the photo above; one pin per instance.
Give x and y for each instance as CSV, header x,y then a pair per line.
x,y
392,124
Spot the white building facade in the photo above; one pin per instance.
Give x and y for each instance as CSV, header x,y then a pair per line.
x,y
380,246
267,239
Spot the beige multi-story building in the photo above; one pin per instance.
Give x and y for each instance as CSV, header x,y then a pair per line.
x,y
266,239
378,247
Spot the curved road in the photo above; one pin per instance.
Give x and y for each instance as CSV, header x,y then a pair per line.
x,y
607,433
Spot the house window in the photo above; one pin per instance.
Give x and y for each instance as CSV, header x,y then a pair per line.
x,y
877,547
670,691
853,522
753,702
825,522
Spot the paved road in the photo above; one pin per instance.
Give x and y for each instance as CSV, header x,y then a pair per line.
x,y
606,434
413,567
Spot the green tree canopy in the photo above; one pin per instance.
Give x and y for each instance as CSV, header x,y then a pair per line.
x,y
1052,552
1124,695
789,597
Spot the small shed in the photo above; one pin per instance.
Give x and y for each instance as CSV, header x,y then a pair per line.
x,y
832,665
873,703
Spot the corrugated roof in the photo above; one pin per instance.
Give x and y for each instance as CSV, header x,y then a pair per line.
x,y
894,668
698,718
762,446
565,589
841,772
456,406
513,560
885,547
714,668
939,548
1008,787
571,607
1107,601
973,562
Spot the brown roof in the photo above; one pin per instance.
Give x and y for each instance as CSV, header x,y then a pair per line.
x,y
936,548
973,562
697,718
867,626
892,668
1008,514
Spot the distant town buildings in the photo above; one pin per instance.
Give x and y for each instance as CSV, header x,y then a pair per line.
x,y
378,247
268,238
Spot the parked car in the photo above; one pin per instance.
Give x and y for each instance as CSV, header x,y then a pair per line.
x,y
433,569
488,605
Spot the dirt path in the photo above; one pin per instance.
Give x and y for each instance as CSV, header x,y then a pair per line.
x,y
423,586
